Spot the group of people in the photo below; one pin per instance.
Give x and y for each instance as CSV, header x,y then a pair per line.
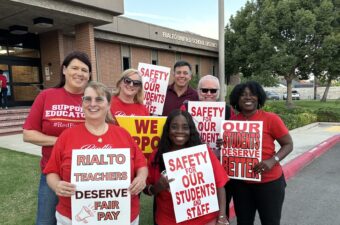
x,y
79,112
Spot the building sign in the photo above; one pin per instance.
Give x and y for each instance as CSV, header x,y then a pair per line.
x,y
187,39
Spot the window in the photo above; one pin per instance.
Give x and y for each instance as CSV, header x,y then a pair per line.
x,y
126,56
197,66
178,56
126,63
154,57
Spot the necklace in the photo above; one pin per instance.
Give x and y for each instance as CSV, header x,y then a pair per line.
x,y
98,132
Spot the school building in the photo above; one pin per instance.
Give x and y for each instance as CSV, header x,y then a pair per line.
x,y
35,35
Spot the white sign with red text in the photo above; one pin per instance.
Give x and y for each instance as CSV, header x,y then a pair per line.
x,y
242,148
193,191
155,83
208,117
102,178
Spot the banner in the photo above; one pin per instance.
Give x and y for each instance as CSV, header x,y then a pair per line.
x,y
102,178
242,148
193,191
208,117
145,130
155,83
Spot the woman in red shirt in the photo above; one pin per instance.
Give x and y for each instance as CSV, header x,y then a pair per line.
x,y
54,110
98,132
180,132
128,98
266,196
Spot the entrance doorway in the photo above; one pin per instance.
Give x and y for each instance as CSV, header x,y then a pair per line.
x,y
20,61
24,82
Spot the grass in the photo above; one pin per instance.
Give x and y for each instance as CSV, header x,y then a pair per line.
x,y
309,104
19,176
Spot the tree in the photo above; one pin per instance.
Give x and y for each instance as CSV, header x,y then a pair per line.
x,y
270,38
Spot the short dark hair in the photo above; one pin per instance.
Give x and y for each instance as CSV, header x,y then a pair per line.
x,y
182,63
82,56
255,89
165,144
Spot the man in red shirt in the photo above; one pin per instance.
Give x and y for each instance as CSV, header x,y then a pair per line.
x,y
3,93
179,92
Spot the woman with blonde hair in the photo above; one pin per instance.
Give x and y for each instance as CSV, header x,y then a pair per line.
x,y
128,98
97,132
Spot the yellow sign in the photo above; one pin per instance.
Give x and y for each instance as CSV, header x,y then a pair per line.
x,y
146,130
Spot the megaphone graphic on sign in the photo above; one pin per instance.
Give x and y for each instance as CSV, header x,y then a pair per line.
x,y
84,213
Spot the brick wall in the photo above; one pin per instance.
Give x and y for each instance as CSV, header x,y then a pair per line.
x,y
140,55
206,66
109,62
166,59
85,42
52,54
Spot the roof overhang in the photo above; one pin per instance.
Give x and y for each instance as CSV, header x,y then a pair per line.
x,y
65,14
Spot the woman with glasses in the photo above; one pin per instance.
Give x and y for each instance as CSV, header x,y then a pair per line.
x,y
97,132
53,111
128,98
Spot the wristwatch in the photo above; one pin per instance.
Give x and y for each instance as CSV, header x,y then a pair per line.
x,y
277,159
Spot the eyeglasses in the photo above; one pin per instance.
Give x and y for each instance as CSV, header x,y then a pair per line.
x,y
135,83
206,90
88,99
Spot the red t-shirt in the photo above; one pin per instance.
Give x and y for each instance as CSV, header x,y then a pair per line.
x,y
120,108
165,214
80,138
273,128
52,112
4,81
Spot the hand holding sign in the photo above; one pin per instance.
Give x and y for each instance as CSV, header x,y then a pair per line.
x,y
137,185
65,189
162,184
264,165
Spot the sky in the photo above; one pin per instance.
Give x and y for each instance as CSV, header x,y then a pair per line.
x,y
196,16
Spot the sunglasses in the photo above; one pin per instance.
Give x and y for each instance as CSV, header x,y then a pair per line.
x,y
88,99
135,83
211,90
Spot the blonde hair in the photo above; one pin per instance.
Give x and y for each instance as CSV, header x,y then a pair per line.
x,y
102,90
139,97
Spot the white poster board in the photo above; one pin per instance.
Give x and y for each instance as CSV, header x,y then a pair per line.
x,y
242,148
208,117
155,83
193,191
102,178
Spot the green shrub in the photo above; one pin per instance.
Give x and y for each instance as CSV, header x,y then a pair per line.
x,y
328,115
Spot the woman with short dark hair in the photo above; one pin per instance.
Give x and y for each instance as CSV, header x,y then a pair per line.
x,y
54,110
266,196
